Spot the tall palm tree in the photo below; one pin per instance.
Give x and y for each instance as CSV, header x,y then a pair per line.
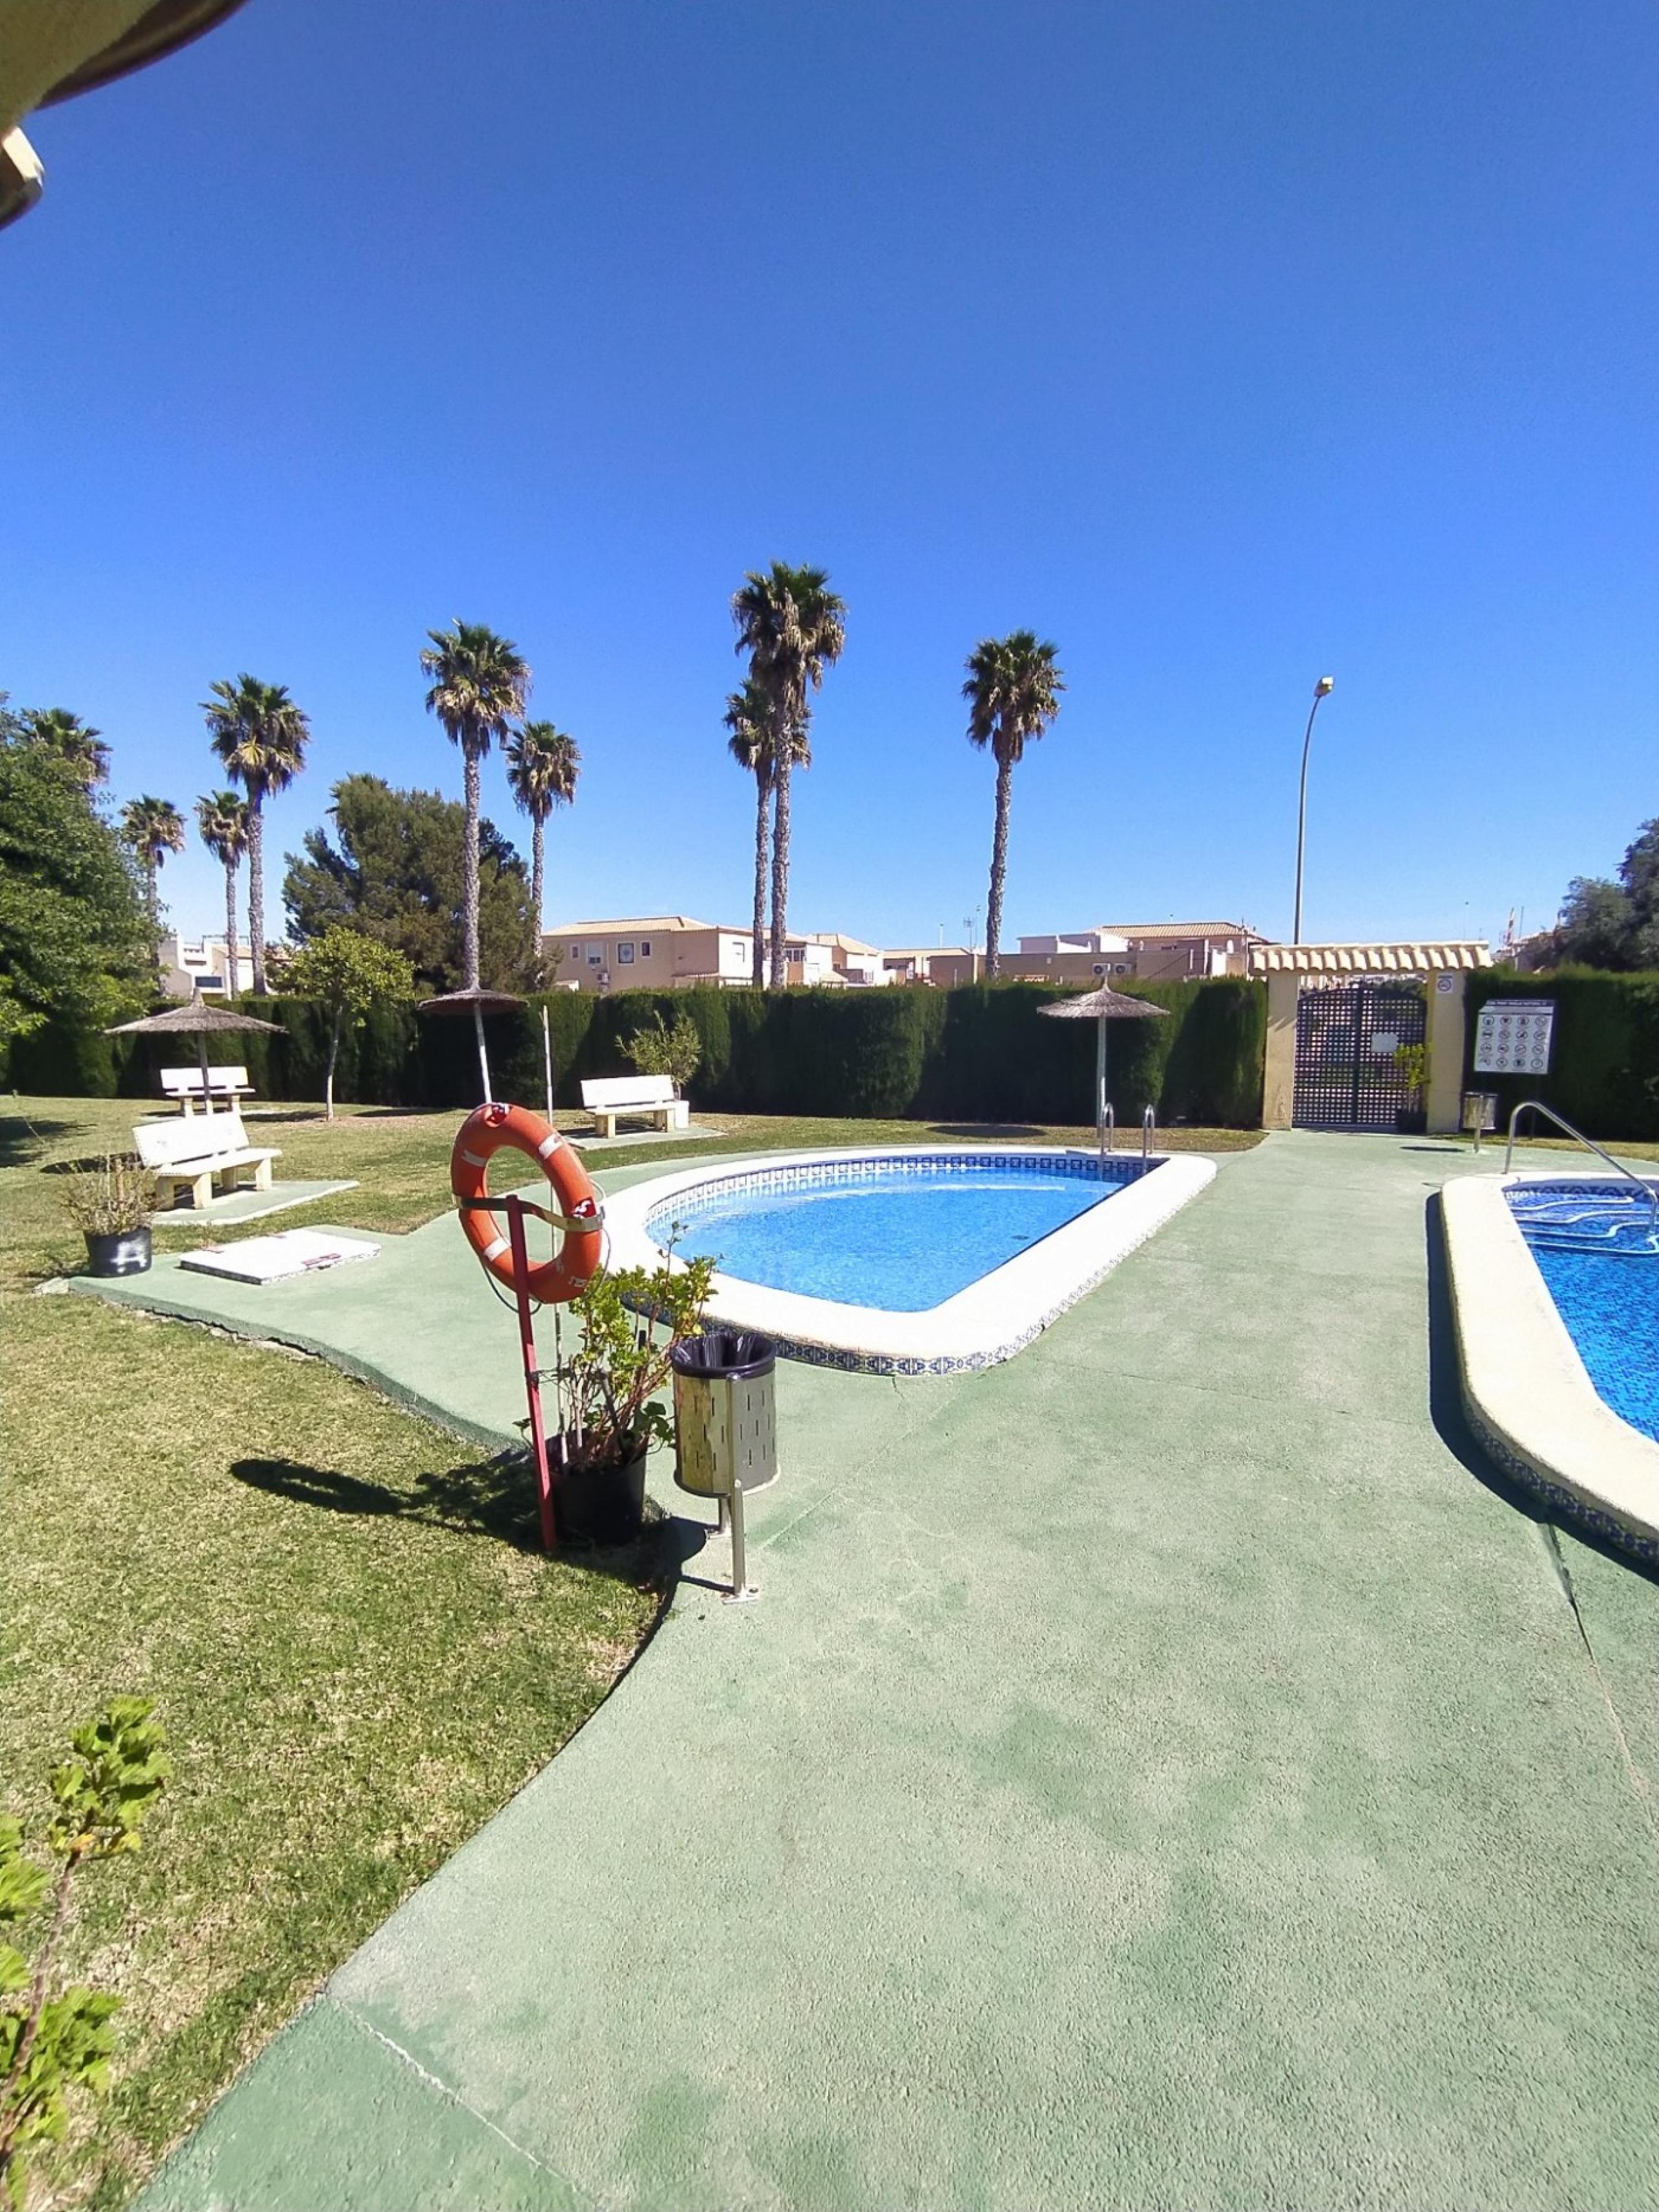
x,y
1012,692
793,627
54,729
153,828
543,765
479,684
261,737
748,718
221,818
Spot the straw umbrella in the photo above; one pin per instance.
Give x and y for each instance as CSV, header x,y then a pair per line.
x,y
457,1004
196,1020
1100,1007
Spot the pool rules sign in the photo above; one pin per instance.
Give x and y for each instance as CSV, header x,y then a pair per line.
x,y
1512,1036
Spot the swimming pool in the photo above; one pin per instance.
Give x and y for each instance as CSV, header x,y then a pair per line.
x,y
1594,1247
897,1235
919,1259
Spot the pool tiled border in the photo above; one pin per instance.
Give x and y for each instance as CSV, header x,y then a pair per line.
x,y
981,1326
1527,1393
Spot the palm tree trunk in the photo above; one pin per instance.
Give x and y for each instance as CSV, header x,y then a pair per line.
x,y
231,977
469,873
781,864
537,840
256,893
153,902
763,801
999,868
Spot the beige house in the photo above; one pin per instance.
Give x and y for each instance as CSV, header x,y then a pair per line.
x,y
191,964
673,951
1152,952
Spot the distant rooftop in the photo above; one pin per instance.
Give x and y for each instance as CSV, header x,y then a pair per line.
x,y
1181,929
607,927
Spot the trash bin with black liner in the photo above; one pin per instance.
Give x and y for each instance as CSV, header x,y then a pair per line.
x,y
725,1436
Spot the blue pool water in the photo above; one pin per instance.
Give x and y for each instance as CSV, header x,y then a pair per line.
x,y
1594,1248
902,1235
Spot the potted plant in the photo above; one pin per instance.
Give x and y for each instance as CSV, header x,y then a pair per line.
x,y
111,1202
1413,1061
659,1050
610,1410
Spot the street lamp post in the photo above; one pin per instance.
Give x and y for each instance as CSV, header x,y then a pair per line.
x,y
1323,689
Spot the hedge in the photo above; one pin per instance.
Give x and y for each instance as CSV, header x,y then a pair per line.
x,y
1604,1051
980,1053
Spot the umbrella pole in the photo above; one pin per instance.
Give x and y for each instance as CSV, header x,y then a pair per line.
x,y
207,1093
483,1057
547,1065
1100,1085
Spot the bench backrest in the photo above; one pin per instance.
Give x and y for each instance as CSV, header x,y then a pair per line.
x,y
186,1082
182,1143
612,1090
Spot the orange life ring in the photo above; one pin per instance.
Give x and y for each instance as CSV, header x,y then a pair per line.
x,y
481,1136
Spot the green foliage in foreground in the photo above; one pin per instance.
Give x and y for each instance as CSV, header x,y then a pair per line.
x,y
53,2040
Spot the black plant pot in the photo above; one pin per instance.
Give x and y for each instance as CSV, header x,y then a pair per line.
x,y
125,1252
602,1504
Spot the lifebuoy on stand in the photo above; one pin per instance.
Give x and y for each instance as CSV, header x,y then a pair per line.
x,y
485,1132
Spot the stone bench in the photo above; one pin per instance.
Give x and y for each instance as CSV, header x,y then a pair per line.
x,y
193,1154
648,1097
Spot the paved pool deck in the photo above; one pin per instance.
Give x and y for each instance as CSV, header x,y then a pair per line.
x,y
1165,1770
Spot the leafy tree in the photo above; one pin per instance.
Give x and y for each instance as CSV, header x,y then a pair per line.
x,y
749,721
74,940
658,1050
479,684
59,732
261,737
222,821
542,765
52,2040
793,627
153,828
1614,925
396,871
1012,692
351,975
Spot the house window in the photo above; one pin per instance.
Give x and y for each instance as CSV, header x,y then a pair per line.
x,y
595,955
624,955
576,952
645,949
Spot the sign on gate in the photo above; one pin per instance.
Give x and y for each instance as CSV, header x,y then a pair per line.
x,y
1512,1036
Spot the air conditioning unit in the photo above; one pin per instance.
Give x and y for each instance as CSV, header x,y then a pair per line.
x,y
604,979
1100,968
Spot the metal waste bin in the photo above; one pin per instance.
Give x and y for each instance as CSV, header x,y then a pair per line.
x,y
1479,1114
726,1435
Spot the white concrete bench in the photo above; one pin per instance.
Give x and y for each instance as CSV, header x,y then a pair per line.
x,y
223,1084
644,1097
193,1155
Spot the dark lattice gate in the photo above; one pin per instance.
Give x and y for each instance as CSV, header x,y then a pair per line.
x,y
1346,1074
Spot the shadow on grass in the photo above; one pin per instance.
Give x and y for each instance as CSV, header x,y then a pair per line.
x,y
492,1498
983,1129
20,1141
1452,1424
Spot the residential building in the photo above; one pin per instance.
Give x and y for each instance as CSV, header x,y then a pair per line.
x,y
941,965
192,964
860,966
672,951
1151,952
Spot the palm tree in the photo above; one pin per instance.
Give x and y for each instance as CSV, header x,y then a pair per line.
x,y
479,685
793,627
55,730
223,819
542,765
153,828
749,718
261,737
1012,692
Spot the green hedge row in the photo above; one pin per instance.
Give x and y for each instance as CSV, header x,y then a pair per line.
x,y
1604,1052
981,1053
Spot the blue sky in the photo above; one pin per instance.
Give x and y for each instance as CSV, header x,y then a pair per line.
x,y
1223,345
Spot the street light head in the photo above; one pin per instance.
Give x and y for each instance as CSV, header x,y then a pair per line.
x,y
1325,684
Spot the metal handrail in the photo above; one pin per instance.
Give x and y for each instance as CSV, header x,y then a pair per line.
x,y
1148,1132
1108,1129
1649,1190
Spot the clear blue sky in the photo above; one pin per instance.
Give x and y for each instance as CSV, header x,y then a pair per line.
x,y
1223,345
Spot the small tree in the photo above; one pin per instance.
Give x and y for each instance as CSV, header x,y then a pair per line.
x,y
351,974
659,1050
52,2042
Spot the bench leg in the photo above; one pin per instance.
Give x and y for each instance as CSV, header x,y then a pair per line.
x,y
262,1176
201,1189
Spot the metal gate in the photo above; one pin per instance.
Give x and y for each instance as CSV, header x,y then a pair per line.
x,y
1347,1075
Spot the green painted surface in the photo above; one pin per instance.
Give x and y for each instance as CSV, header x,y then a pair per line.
x,y
1160,1771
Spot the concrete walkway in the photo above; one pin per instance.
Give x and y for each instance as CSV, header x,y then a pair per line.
x,y
1160,1773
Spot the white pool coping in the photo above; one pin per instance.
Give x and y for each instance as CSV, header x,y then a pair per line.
x,y
981,1325
1528,1393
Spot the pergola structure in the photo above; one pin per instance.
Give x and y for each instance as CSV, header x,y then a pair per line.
x,y
1289,969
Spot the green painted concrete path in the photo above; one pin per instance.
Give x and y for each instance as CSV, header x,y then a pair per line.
x,y
1160,1773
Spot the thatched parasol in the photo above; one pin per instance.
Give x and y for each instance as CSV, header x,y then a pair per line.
x,y
457,1004
199,1020
1102,1006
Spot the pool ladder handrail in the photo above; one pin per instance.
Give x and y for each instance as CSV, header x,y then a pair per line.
x,y
1107,1131
1649,1190
1148,1132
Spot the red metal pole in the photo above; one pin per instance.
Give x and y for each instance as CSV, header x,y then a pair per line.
x,y
532,1381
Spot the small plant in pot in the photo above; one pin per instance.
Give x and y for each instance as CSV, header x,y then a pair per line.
x,y
610,1406
1413,1062
111,1202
